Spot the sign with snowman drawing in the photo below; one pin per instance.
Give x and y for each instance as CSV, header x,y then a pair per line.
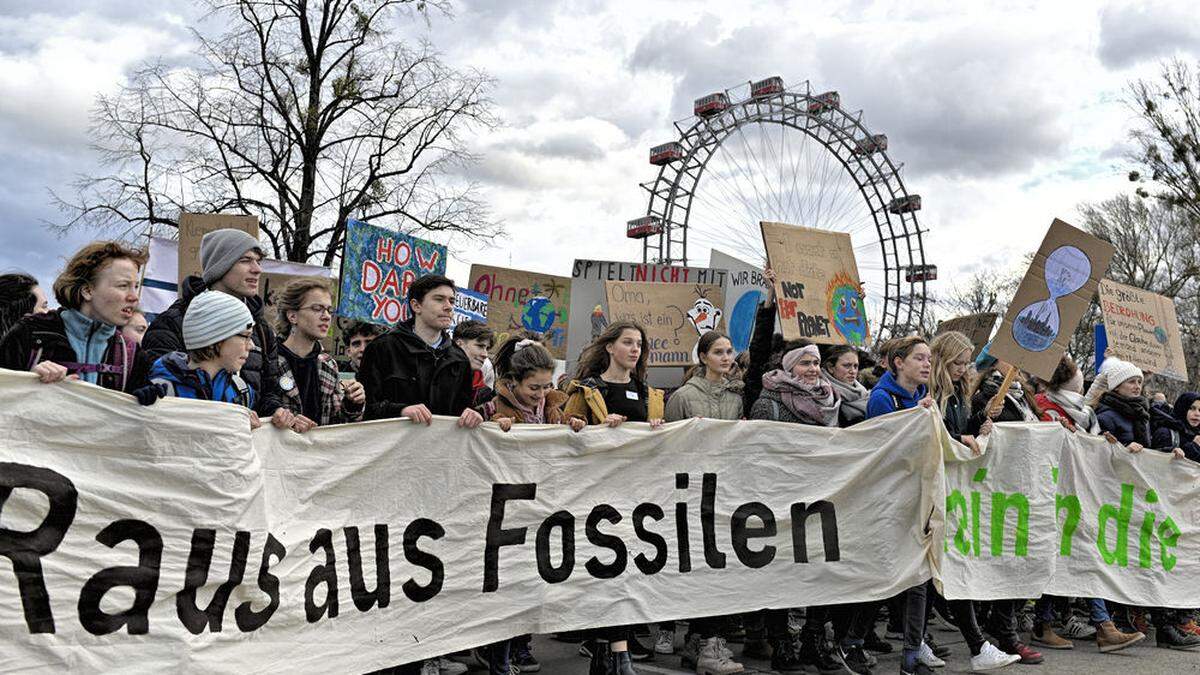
x,y
674,316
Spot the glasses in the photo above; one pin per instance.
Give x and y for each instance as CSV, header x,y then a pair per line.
x,y
320,309
247,336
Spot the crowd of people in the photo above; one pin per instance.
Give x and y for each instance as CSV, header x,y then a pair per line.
x,y
217,343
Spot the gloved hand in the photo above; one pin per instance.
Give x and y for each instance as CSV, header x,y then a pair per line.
x,y
150,393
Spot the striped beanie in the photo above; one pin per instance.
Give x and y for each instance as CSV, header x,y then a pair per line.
x,y
214,316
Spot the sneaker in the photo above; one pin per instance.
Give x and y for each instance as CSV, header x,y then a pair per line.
x,y
639,651
715,659
876,644
990,658
622,663
587,648
1190,626
1170,637
723,645
1029,657
513,668
939,650
430,667
925,655
1045,636
921,669
1109,639
858,660
1137,620
665,643
524,661
829,659
447,667
1076,628
1024,622
690,655
795,621
758,649
785,657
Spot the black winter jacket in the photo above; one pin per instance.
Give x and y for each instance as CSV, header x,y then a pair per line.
x,y
956,416
399,370
43,337
165,335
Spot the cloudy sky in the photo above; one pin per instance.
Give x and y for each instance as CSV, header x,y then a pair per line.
x,y
1005,114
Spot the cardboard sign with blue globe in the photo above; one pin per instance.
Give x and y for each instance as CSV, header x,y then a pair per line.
x,y
521,300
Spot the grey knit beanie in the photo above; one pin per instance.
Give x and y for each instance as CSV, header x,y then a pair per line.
x,y
220,249
213,316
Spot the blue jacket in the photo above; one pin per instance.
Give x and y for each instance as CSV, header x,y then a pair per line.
x,y
171,375
888,396
1125,429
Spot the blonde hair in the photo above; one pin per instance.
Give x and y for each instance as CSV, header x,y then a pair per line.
x,y
289,299
944,348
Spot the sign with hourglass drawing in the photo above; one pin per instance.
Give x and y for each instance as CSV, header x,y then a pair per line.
x,y
1052,298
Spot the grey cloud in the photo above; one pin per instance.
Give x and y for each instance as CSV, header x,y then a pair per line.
x,y
1130,34
560,146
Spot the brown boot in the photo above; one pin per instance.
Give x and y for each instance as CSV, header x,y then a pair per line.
x,y
1045,636
1109,639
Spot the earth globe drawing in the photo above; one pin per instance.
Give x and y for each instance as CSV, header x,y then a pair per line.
x,y
539,315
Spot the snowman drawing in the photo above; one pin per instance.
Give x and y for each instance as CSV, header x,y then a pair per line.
x,y
704,317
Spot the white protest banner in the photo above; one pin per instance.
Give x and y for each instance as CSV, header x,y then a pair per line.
x,y
362,546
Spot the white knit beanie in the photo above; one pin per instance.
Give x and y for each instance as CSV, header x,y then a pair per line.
x,y
1118,371
213,316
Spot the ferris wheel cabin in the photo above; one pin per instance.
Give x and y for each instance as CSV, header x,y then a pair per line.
x,y
822,102
646,226
666,153
906,204
871,144
713,104
919,273
767,87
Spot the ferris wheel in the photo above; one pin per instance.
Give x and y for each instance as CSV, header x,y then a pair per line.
x,y
762,151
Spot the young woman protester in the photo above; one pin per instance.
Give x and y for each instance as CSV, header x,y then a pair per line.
x,y
525,394
476,340
1125,415
710,390
1018,405
20,295
904,385
1182,429
610,389
948,386
308,375
796,393
1061,400
217,334
97,293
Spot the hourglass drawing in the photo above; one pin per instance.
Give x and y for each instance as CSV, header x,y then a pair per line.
x,y
1067,270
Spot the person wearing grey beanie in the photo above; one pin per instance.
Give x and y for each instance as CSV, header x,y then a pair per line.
x,y
220,250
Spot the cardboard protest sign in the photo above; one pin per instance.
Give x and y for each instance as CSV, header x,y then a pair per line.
x,y
589,303
1051,299
977,328
747,287
193,227
520,300
469,306
674,316
378,266
1142,328
817,287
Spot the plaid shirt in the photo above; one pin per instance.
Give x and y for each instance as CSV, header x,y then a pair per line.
x,y
332,410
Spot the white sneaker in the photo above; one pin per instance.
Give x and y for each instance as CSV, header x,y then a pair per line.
x,y
723,645
447,667
430,667
1077,629
665,642
991,658
926,656
714,661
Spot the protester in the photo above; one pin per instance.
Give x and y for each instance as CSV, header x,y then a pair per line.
x,y
839,367
711,391
231,263
1181,430
950,362
308,376
356,340
797,393
97,293
1062,399
476,340
19,295
904,384
610,389
136,328
217,334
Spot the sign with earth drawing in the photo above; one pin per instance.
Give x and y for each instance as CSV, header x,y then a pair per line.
x,y
521,300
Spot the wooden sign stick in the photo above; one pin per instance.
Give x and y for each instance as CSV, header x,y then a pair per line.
x,y
998,399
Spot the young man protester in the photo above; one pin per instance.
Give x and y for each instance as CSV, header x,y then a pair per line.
x,y
231,262
416,371
356,340
308,376
476,340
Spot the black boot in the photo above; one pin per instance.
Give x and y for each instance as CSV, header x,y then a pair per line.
x,y
601,661
622,664
785,656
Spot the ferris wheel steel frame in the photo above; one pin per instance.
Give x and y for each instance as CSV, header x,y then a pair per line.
x,y
875,174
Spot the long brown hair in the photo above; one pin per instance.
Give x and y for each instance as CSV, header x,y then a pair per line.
x,y
944,348
1026,386
594,359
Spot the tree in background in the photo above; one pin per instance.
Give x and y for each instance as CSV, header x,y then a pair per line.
x,y
1166,138
302,113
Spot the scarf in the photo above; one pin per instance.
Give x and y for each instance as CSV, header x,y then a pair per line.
x,y
1072,402
1133,409
854,397
88,338
815,404
528,415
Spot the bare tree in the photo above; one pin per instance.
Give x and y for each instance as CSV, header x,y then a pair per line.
x,y
1167,137
303,113
984,291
